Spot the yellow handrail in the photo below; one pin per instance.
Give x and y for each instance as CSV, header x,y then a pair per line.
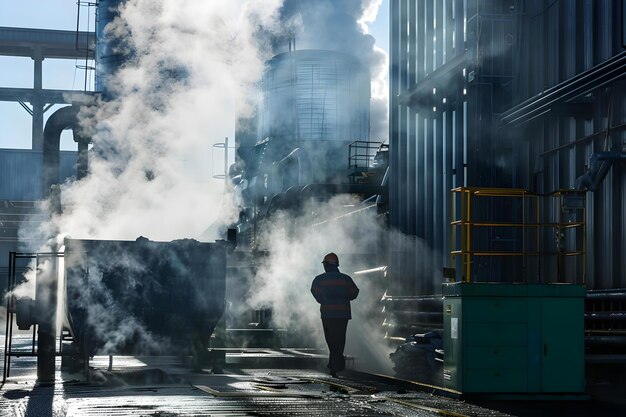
x,y
540,203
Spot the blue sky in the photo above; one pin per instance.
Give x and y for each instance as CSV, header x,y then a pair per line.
x,y
15,122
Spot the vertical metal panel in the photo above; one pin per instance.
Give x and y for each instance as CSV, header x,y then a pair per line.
x,y
568,37
429,34
21,173
448,30
452,143
421,49
403,133
588,31
411,139
426,195
394,90
588,36
422,210
439,39
447,183
438,179
624,23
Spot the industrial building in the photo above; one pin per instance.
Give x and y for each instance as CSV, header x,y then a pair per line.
x,y
507,151
499,203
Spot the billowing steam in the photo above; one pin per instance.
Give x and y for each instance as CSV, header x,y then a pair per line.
x,y
150,174
297,246
150,168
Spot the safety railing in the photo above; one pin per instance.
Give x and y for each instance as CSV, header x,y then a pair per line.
x,y
514,235
362,158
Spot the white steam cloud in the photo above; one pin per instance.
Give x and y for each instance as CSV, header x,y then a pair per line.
x,y
151,164
297,245
150,169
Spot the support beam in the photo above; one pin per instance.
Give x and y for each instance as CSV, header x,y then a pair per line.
x,y
60,44
47,96
37,102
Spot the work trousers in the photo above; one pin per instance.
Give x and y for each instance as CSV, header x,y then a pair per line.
x,y
335,334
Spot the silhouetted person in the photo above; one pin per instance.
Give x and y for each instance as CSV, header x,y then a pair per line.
x,y
334,291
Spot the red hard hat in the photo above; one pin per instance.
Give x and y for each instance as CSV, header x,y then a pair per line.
x,y
331,258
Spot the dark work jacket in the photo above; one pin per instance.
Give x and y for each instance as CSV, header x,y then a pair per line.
x,y
334,290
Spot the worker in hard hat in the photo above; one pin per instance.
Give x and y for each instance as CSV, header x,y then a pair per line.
x,y
334,291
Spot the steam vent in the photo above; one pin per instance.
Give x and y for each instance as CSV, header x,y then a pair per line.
x,y
313,208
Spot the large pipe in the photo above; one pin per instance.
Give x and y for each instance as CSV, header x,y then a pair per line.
x,y
599,166
64,118
46,291
602,74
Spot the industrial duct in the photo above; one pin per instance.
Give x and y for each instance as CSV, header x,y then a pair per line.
x,y
598,168
64,118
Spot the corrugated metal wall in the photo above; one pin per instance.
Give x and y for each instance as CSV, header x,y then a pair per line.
x,y
21,173
558,42
450,61
458,66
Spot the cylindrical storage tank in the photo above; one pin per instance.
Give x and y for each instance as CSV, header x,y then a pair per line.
x,y
311,95
108,56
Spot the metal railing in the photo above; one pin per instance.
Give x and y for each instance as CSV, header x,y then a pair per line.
x,y
14,270
522,236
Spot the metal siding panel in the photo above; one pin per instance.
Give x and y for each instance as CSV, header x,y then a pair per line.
x,y
446,186
424,206
622,235
403,122
21,173
402,169
412,43
428,191
439,37
412,199
429,33
67,165
420,34
438,180
459,46
394,69
419,174
617,250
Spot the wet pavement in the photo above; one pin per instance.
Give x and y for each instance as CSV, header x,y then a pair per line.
x,y
164,387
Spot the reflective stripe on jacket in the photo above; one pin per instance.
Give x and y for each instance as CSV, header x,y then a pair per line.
x,y
334,290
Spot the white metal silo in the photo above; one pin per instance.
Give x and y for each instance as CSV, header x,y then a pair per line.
x,y
315,95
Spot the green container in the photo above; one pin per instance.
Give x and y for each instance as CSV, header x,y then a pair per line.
x,y
514,338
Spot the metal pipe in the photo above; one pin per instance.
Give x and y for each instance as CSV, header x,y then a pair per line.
x,y
602,74
606,340
295,154
583,139
603,315
64,118
46,296
600,163
616,293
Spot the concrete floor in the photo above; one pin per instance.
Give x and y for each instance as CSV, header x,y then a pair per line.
x,y
164,387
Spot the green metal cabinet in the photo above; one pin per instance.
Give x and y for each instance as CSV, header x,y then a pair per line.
x,y
514,338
